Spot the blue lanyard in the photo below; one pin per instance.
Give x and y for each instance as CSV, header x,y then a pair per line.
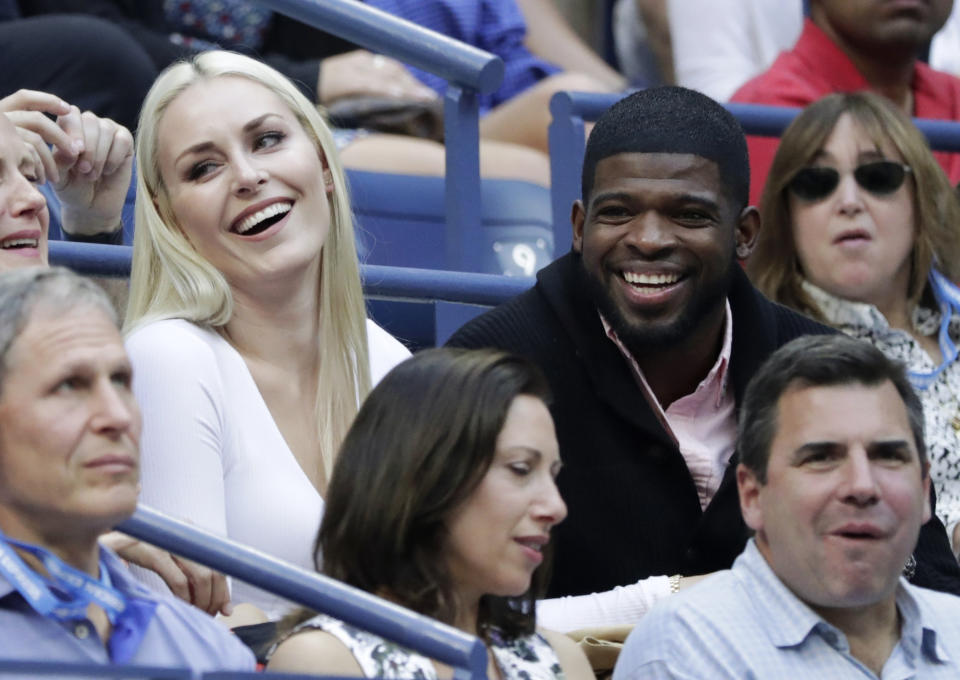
x,y
67,593
947,295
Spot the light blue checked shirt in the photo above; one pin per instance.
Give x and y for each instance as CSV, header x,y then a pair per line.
x,y
745,624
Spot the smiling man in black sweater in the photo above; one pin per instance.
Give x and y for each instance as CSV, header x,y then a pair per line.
x,y
648,332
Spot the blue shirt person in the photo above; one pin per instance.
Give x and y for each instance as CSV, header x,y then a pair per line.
x,y
69,471
744,622
164,631
833,479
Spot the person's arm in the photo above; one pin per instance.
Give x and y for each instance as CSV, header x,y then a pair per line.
x,y
653,13
315,652
717,47
624,605
192,582
363,73
550,37
177,386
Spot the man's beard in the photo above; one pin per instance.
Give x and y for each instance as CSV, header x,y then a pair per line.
x,y
655,337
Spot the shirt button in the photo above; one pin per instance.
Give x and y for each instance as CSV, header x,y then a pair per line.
x,y
81,630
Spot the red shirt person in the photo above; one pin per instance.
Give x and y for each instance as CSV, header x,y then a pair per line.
x,y
852,45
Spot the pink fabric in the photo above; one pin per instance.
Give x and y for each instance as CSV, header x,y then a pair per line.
x,y
704,423
816,67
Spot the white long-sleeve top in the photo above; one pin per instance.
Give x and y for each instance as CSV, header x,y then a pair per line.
x,y
211,453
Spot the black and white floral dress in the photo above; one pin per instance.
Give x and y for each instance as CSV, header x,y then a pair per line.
x,y
524,658
941,400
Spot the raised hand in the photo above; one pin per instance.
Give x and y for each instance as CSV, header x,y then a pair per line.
x,y
93,176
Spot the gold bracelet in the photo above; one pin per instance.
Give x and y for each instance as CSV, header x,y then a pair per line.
x,y
675,584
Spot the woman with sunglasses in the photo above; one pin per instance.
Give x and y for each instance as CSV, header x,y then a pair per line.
x,y
860,231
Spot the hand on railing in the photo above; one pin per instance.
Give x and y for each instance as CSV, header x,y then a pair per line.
x,y
194,583
364,74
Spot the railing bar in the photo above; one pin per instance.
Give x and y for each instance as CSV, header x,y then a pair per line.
x,y
769,121
379,31
318,592
95,259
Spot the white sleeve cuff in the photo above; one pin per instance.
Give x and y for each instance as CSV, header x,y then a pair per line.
x,y
624,605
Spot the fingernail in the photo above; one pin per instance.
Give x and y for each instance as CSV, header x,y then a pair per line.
x,y
85,166
227,609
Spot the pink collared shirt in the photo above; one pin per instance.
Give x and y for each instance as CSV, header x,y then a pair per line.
x,y
703,423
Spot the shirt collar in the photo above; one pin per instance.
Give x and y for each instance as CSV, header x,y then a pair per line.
x,y
844,313
915,638
119,577
715,380
849,314
792,622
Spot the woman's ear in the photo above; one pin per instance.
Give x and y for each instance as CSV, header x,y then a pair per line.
x,y
327,180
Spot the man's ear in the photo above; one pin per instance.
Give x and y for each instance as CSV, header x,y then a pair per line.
x,y
748,487
748,228
578,216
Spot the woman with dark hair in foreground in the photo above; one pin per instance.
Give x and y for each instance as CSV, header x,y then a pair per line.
x,y
442,500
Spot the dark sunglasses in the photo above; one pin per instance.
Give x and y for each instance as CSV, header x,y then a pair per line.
x,y
817,182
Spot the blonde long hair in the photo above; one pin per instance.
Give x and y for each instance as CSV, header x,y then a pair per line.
x,y
170,279
774,265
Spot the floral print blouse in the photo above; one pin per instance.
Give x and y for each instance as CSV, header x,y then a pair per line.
x,y
524,658
941,400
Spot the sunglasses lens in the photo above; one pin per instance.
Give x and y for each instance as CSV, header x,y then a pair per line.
x,y
881,177
814,183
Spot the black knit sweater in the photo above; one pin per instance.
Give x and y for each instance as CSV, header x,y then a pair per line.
x,y
633,506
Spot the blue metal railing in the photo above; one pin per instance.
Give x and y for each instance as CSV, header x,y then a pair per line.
x,y
468,71
53,669
21,668
569,110
378,280
465,653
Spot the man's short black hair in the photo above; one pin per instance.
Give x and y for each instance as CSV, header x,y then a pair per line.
x,y
672,120
816,361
